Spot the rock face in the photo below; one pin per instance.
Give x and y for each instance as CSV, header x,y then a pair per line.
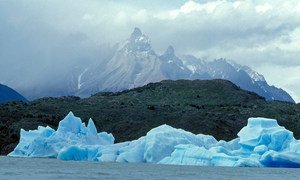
x,y
262,143
8,94
135,64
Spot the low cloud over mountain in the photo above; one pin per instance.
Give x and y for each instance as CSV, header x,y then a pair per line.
x,y
38,36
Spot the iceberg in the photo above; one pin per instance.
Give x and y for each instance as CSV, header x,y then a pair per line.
x,y
262,143
71,132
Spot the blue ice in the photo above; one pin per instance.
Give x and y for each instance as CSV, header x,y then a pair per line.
x,y
262,143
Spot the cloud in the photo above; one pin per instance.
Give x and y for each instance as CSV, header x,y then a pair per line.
x,y
87,17
259,33
263,8
192,6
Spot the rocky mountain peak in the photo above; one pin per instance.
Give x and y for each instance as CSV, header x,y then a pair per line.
x,y
136,33
138,42
170,51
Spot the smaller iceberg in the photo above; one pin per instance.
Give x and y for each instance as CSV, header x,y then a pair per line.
x,y
261,143
71,133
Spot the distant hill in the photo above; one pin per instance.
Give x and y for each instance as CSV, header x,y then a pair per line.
x,y
8,94
215,107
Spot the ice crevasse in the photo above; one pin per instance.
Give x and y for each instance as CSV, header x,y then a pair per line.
x,y
262,143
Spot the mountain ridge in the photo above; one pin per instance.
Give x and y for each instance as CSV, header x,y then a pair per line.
x,y
135,64
9,94
216,107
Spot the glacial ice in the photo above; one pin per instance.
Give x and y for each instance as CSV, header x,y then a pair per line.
x,y
262,143
159,143
46,142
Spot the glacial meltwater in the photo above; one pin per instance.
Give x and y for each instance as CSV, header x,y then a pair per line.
x,y
40,168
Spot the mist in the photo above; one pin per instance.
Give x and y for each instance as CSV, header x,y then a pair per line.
x,y
42,41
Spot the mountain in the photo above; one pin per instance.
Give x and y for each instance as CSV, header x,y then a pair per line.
x,y
242,76
8,94
216,107
135,64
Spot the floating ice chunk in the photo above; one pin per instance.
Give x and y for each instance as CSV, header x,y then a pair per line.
x,y
71,133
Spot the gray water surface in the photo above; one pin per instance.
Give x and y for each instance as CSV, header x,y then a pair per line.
x,y
27,168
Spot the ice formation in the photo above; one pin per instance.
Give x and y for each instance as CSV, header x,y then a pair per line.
x,y
159,143
262,143
71,133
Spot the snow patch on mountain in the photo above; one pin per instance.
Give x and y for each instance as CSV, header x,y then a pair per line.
x,y
253,74
79,78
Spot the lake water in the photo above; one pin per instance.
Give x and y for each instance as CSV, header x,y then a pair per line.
x,y
27,168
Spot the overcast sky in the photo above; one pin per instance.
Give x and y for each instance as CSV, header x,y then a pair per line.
x,y
262,34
